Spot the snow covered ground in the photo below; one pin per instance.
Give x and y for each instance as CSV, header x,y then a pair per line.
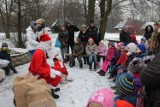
x,y
74,94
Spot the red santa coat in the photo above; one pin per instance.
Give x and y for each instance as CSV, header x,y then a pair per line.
x,y
59,66
39,66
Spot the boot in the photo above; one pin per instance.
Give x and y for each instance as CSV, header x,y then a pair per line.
x,y
54,95
102,73
95,66
81,65
110,77
12,68
56,90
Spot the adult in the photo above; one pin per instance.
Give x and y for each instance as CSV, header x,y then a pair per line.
x,y
83,35
71,29
125,36
94,33
155,39
150,79
148,31
63,37
39,66
40,28
31,37
5,55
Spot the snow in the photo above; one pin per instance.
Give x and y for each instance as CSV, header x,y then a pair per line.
x,y
73,94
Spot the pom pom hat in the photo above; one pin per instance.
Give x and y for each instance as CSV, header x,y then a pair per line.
x,y
45,37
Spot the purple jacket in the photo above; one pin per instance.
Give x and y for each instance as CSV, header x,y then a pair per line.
x,y
111,53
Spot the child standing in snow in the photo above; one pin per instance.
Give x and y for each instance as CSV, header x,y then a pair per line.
x,y
102,52
109,57
91,51
101,98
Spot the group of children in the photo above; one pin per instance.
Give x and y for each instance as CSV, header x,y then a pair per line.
x,y
124,64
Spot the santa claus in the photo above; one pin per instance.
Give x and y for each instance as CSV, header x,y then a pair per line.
x,y
41,69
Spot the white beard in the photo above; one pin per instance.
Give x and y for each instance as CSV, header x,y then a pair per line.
x,y
45,46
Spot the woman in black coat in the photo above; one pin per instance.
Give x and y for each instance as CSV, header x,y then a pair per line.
x,y
125,37
148,32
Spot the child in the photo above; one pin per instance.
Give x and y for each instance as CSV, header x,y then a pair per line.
x,y
5,55
59,66
102,52
141,51
78,51
101,98
124,59
125,88
134,39
109,57
91,51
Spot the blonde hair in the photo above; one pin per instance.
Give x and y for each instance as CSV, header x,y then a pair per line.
x,y
93,104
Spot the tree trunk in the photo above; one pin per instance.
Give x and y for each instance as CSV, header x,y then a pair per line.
x,y
19,25
91,10
104,15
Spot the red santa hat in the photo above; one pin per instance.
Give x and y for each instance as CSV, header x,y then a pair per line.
x,y
44,38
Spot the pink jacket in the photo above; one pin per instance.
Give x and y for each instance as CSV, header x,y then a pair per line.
x,y
102,50
111,53
104,97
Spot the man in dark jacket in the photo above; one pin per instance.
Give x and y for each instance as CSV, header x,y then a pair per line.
x,y
125,36
78,51
5,55
94,33
71,29
150,78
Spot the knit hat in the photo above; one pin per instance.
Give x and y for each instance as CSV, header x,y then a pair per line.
x,y
120,44
144,39
32,23
44,38
125,85
103,97
136,65
84,26
132,48
40,21
142,47
90,39
4,44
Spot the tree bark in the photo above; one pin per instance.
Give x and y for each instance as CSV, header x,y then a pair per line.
x,y
104,15
91,10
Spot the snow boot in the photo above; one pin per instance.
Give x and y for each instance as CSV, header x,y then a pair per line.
x,y
102,73
56,90
90,67
81,65
95,66
110,77
54,95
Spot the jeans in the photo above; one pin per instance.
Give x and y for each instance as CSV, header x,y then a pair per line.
x,y
92,58
63,51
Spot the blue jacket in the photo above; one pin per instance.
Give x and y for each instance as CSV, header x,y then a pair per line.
x,y
5,54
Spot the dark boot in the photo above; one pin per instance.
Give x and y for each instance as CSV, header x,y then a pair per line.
x,y
54,95
71,62
95,66
12,68
110,77
100,71
102,74
81,65
56,90
7,71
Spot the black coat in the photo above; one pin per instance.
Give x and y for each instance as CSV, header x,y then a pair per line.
x,y
94,33
150,76
5,55
125,37
147,33
83,37
71,31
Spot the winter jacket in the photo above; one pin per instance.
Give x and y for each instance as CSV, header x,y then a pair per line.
x,y
31,37
71,31
123,103
94,33
63,38
125,37
78,49
83,37
91,49
39,64
102,50
111,53
5,54
59,66
123,58
150,76
155,39
147,33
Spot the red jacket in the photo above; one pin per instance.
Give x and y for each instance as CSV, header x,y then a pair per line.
x,y
123,103
39,64
123,58
59,66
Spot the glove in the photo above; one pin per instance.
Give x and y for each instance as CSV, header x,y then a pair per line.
x,y
55,72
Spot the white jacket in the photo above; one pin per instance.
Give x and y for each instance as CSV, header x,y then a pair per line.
x,y
31,37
